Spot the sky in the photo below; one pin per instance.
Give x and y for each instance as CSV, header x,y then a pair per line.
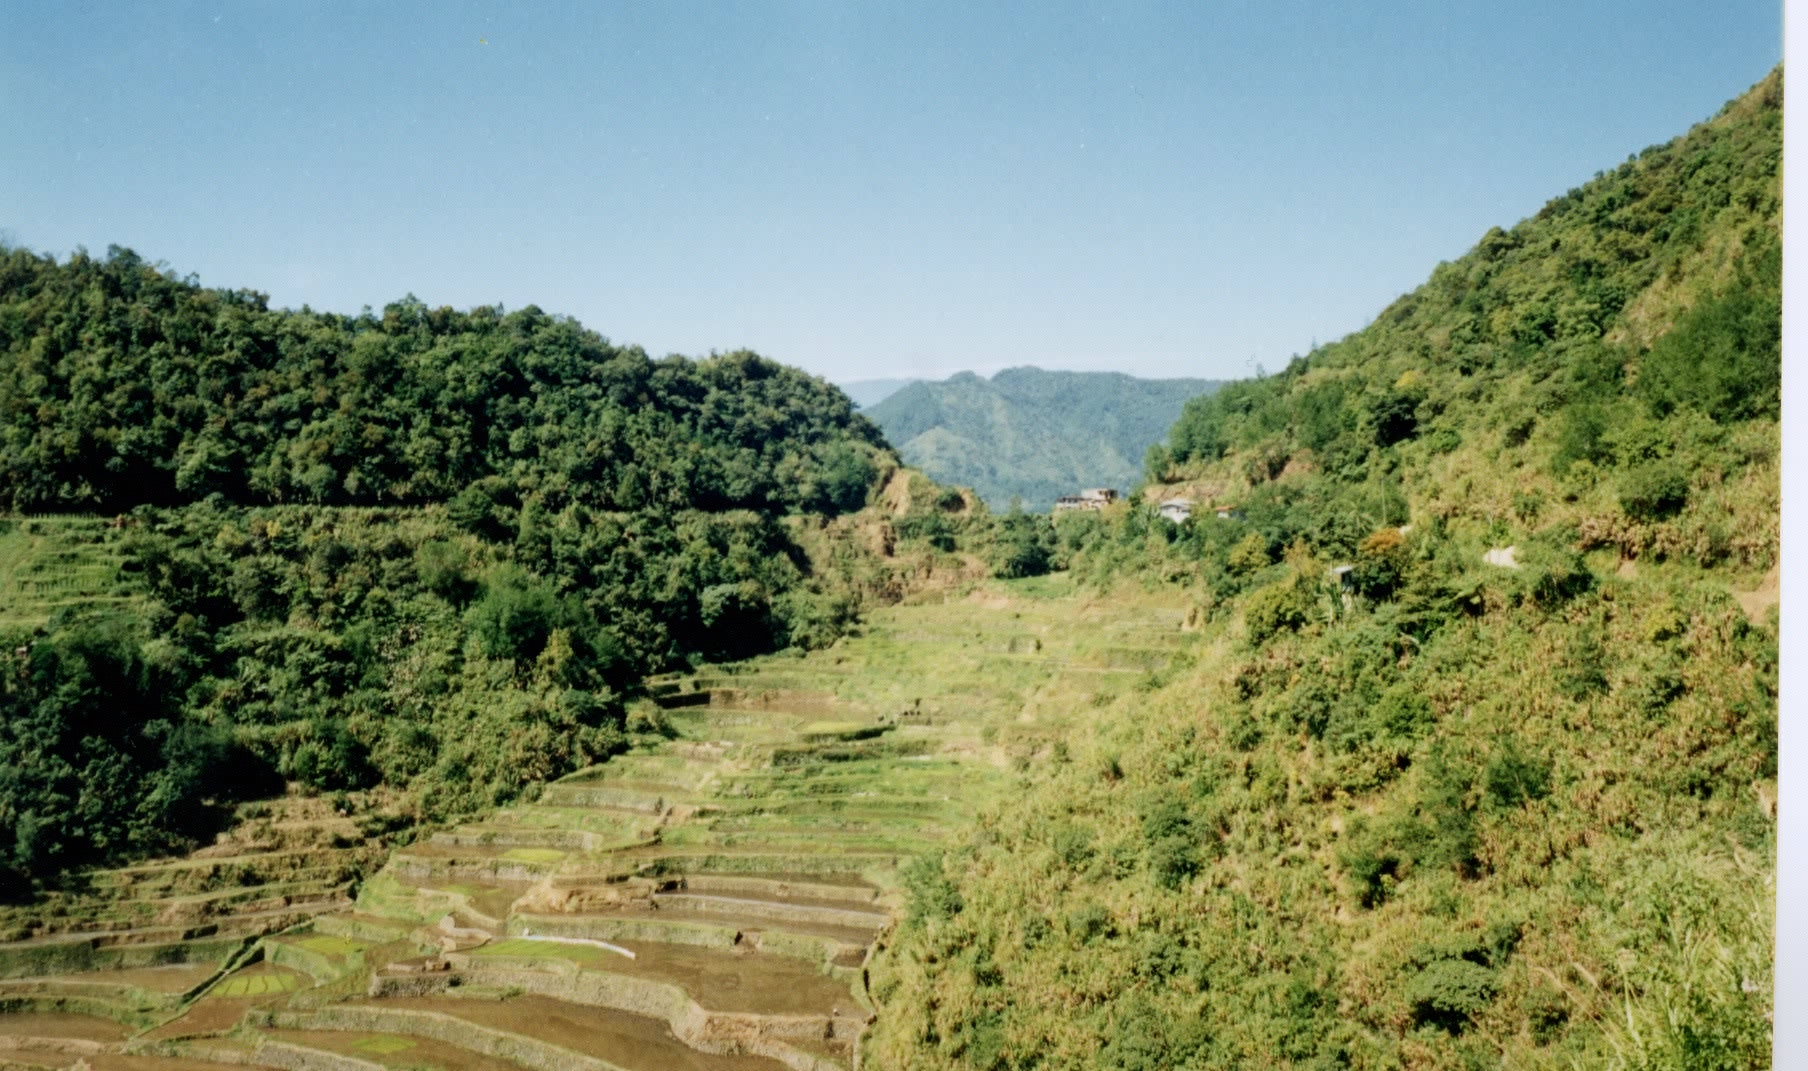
x,y
864,190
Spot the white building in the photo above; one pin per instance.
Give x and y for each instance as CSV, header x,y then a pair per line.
x,y
1093,498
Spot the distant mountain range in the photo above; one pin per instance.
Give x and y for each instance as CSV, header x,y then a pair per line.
x,y
1030,434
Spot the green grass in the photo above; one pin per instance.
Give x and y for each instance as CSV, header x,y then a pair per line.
x,y
534,855
256,985
383,1045
56,563
330,944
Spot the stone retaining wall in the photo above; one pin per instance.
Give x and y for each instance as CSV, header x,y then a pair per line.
x,y
612,928
528,1052
777,911
298,1058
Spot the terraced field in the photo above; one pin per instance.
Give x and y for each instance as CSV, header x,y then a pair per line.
x,y
708,900
56,563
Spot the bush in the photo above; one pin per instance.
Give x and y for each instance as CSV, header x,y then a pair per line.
x,y
515,615
1449,993
1653,492
1511,778
1285,606
1249,555
1022,545
846,474
1554,575
445,569
1724,357
1169,834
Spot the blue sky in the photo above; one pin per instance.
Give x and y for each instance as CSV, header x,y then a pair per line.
x,y
863,190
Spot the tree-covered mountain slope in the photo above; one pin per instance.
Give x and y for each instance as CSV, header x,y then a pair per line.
x,y
1473,763
1030,434
429,550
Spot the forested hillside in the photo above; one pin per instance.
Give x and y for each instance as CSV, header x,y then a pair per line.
x,y
428,549
1033,435
1474,762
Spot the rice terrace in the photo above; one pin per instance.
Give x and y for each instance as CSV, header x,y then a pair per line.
x,y
710,900
455,689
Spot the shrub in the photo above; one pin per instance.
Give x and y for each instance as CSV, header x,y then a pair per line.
x,y
256,588
1022,545
1370,862
1283,606
846,474
1394,416
515,615
1249,555
932,894
1580,437
1584,671
1511,778
1169,833
1724,357
445,570
1449,993
1553,575
1653,492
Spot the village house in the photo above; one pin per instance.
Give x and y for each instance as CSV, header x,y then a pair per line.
x,y
1093,498
1176,509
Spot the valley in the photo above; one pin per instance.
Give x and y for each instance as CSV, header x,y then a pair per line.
x,y
709,899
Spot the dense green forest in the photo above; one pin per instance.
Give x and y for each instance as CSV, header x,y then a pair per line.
x,y
1032,435
1475,762
428,549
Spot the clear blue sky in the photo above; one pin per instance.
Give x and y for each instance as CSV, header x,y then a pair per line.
x,y
863,190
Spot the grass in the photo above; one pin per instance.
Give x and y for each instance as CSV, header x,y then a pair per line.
x,y
330,944
55,563
534,855
383,1045
256,985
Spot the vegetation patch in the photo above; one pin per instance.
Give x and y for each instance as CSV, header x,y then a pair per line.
x,y
256,985
384,1044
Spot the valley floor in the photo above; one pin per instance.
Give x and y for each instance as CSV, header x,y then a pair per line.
x,y
708,900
